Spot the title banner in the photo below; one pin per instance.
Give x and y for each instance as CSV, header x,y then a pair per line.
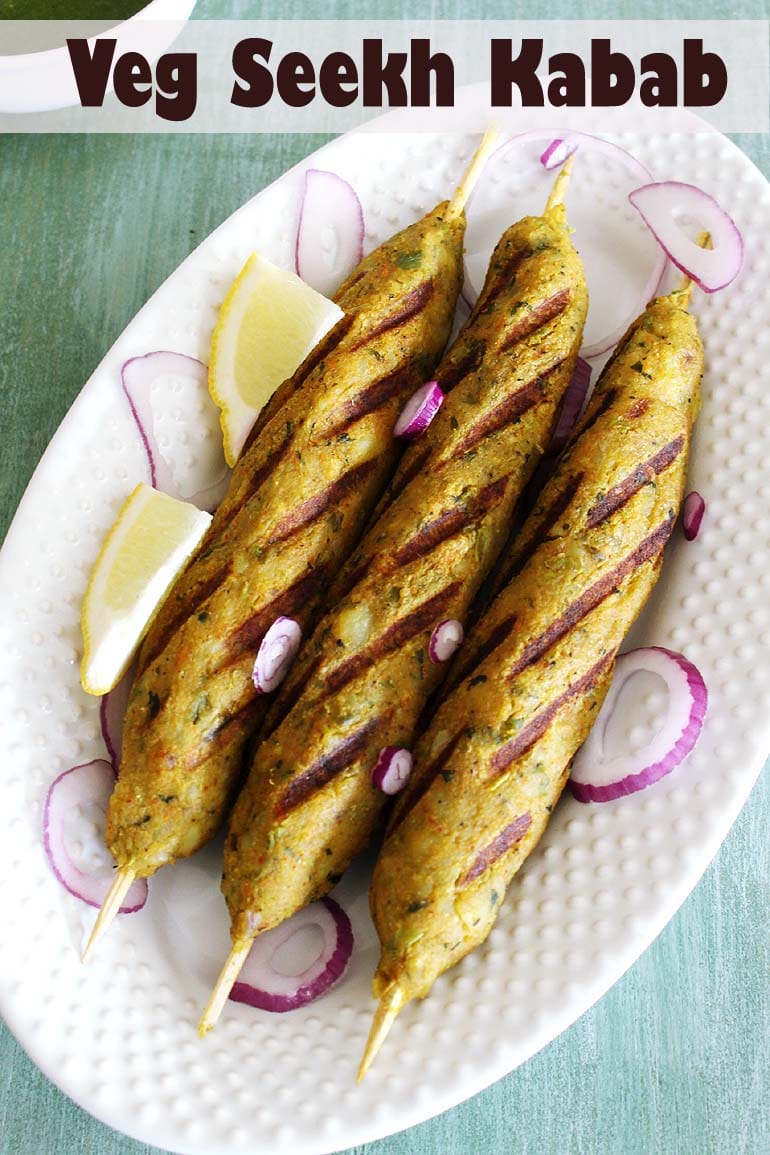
x,y
331,76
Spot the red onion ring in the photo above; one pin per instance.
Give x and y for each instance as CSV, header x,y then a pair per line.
x,y
693,509
112,710
558,151
330,231
83,793
419,411
571,406
392,769
276,653
597,777
445,640
662,206
261,985
205,486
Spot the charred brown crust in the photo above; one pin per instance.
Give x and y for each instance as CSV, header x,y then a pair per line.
x,y
412,304
546,523
498,635
427,778
456,371
317,505
251,632
450,522
368,401
507,838
534,730
257,480
325,768
408,472
534,319
192,605
508,411
593,596
396,636
615,498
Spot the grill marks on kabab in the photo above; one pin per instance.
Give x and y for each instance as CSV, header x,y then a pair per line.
x,y
534,730
414,794
396,636
509,410
506,840
257,480
317,505
542,530
369,400
248,636
409,307
535,318
451,522
325,768
615,498
592,597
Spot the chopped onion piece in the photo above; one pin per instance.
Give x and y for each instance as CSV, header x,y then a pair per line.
x,y
160,387
598,775
419,411
664,207
330,232
392,769
276,653
447,637
693,510
262,984
558,151
73,835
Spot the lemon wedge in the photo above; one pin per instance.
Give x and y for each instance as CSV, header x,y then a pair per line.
x,y
269,322
147,546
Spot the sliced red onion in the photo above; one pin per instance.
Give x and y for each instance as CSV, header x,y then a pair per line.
x,y
112,710
623,264
419,411
445,640
330,232
273,982
276,653
693,509
558,152
666,206
73,835
179,426
648,750
571,406
392,769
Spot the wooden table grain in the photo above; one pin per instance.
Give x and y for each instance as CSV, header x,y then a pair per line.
x,y
675,1059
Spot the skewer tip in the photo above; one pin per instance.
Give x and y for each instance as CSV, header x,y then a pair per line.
x,y
223,986
479,159
703,240
121,884
391,1004
556,196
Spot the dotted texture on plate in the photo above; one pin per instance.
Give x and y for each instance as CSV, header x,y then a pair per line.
x,y
119,1036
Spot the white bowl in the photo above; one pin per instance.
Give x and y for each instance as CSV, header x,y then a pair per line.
x,y
42,81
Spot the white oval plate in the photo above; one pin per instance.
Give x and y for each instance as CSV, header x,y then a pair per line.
x,y
119,1036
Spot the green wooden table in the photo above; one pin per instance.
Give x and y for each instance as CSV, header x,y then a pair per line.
x,y
675,1059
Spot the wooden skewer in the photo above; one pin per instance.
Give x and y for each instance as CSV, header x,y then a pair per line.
x,y
465,187
559,189
121,884
686,287
224,984
391,1003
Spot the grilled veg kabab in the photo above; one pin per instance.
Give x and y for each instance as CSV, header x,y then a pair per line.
x,y
309,805
300,494
492,764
